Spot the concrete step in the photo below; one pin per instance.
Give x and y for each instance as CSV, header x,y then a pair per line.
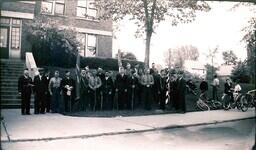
x,y
16,96
13,106
10,92
9,84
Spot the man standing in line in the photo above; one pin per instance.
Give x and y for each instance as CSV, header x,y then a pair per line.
x,y
55,92
40,89
94,90
121,85
84,90
68,91
181,88
147,81
133,89
215,86
48,96
108,88
162,89
25,90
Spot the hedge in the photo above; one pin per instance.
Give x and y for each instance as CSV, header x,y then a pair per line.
x,y
92,62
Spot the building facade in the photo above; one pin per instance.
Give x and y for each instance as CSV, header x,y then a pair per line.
x,y
81,15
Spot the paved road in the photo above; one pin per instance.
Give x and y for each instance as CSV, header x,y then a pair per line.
x,y
236,135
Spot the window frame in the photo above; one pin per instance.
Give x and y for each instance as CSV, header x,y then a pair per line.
x,y
87,8
54,3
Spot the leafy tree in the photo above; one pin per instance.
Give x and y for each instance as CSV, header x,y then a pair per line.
x,y
127,55
176,57
229,58
241,72
210,71
52,45
147,14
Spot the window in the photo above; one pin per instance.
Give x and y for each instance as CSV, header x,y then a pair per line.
x,y
86,9
15,21
47,7
58,7
5,21
3,37
88,44
15,38
81,39
91,45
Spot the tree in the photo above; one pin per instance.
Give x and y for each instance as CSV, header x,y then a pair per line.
x,y
210,71
229,58
149,13
52,45
176,57
127,55
241,72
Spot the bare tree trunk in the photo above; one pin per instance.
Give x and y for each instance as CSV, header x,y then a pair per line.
x,y
147,50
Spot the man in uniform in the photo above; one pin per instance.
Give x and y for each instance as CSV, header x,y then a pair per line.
x,y
41,90
84,81
133,89
121,85
94,90
147,81
25,90
181,92
55,92
108,88
68,91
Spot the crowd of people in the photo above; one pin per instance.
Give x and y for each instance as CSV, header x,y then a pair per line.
x,y
129,89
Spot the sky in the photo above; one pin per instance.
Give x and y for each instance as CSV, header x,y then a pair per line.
x,y
220,27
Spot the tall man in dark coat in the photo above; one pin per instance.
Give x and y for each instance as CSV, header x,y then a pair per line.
x,y
108,91
173,90
147,81
25,90
181,92
41,90
133,89
121,85
162,89
68,91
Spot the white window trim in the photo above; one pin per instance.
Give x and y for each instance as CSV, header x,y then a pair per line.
x,y
28,2
13,14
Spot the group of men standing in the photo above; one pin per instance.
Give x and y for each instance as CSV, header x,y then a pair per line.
x,y
103,90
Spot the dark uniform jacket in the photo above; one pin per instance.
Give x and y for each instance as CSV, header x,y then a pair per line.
x,y
24,85
107,85
41,86
70,82
121,82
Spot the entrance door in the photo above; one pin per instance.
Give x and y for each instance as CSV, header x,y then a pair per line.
x,y
4,42
15,42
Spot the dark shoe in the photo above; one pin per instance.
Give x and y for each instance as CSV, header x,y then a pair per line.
x,y
28,114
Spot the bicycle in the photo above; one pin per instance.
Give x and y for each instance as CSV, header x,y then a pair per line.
x,y
239,101
204,103
250,97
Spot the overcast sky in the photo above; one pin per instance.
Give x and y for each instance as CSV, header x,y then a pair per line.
x,y
221,27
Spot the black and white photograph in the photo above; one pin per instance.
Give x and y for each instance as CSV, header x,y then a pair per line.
x,y
127,74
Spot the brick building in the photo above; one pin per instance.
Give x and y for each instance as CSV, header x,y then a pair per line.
x,y
95,35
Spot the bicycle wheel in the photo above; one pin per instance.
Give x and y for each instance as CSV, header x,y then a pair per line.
x,y
217,105
202,105
250,100
243,104
226,103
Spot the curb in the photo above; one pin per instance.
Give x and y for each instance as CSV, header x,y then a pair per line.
x,y
123,132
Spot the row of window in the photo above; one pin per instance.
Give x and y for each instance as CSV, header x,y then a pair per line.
x,y
88,42
84,9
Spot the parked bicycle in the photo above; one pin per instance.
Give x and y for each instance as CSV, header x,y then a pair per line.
x,y
250,97
204,103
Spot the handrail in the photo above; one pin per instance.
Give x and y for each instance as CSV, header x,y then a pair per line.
x,y
31,65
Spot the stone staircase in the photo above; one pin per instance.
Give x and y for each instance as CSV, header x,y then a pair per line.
x,y
11,70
